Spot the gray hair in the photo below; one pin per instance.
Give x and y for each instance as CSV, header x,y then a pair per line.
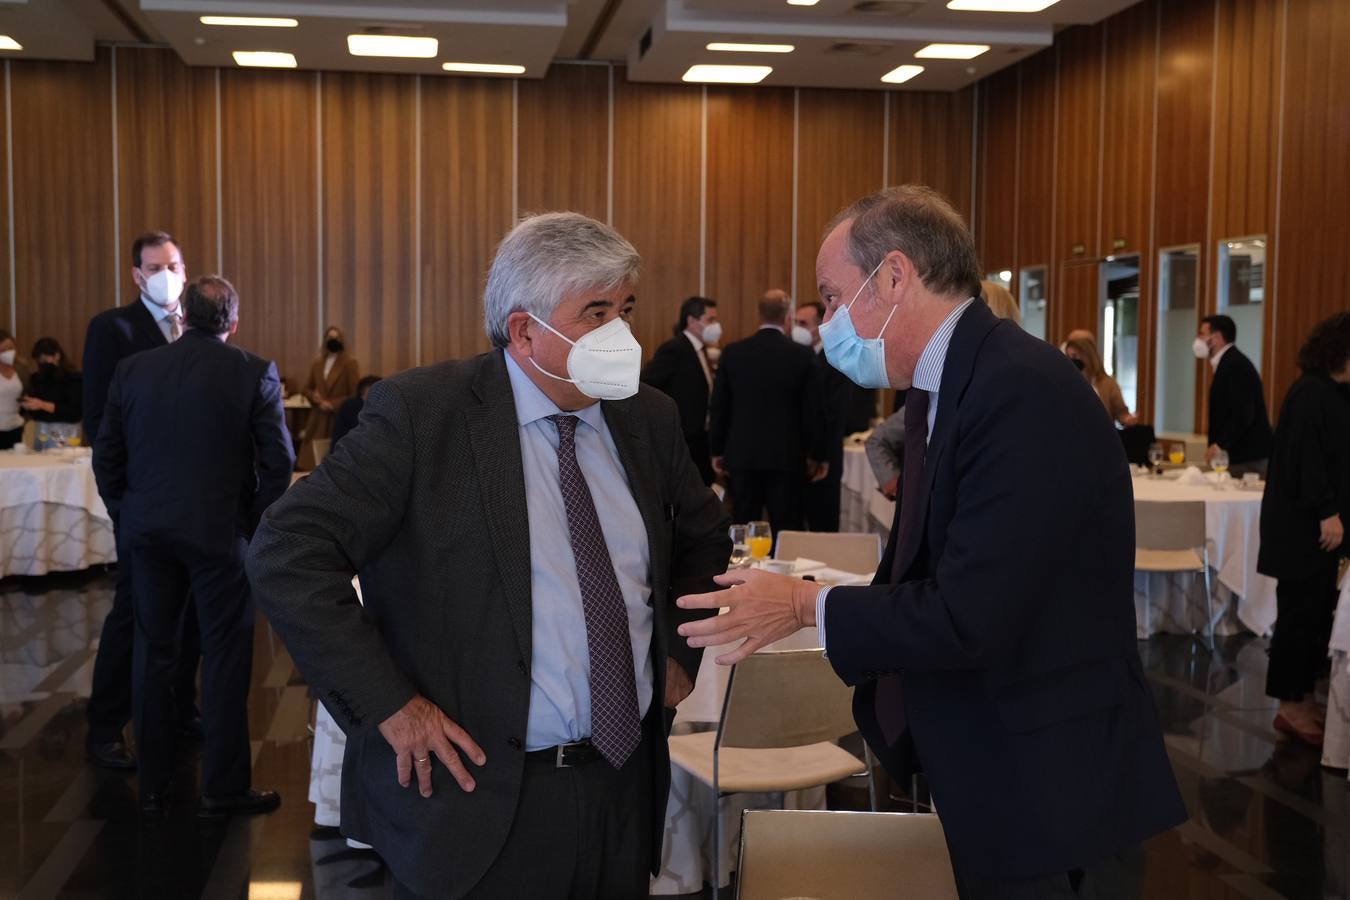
x,y
920,223
545,258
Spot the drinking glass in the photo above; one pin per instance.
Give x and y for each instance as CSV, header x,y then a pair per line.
x,y
761,540
1155,455
1176,454
740,546
1220,461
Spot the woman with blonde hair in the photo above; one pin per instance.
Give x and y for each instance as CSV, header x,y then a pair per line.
x,y
1083,353
1000,300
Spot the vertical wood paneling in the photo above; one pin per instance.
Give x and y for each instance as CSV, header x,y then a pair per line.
x,y
564,141
1185,84
1036,163
657,190
166,141
749,200
466,207
931,142
840,140
1076,300
996,232
270,214
63,198
1127,169
1079,142
369,244
5,294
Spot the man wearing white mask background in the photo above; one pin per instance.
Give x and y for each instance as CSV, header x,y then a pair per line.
x,y
153,320
522,523
682,370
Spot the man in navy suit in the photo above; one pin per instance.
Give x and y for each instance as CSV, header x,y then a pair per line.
x,y
153,320
996,645
192,451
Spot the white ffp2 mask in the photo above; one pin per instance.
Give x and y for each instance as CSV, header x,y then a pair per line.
x,y
164,288
605,364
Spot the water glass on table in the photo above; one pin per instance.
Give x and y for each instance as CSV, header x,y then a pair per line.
x,y
1155,458
740,546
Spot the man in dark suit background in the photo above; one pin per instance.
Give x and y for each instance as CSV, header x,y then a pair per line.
x,y
761,435
192,450
520,547
153,320
996,646
835,394
1238,421
680,370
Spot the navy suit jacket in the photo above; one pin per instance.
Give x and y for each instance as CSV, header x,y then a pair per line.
x,y
1238,421
1011,630
193,444
112,336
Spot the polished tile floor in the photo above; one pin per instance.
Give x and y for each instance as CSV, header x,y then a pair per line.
x,y
1266,820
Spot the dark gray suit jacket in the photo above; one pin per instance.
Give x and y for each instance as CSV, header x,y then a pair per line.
x,y
426,500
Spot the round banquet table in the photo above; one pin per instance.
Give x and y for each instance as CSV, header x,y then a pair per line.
x,y
862,507
51,516
1175,604
1336,747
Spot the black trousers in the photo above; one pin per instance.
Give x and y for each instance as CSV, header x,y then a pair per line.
x,y
582,833
167,578
109,708
822,500
9,438
1305,609
1120,877
781,494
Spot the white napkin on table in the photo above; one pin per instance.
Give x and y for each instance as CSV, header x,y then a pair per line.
x,y
1193,477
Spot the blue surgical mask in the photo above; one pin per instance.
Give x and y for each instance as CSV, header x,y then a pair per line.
x,y
862,360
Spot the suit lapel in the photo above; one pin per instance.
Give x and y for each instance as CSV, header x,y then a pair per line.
x,y
145,325
971,330
494,435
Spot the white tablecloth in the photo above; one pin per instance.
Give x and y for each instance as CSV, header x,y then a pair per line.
x,y
861,506
1336,747
1232,525
51,516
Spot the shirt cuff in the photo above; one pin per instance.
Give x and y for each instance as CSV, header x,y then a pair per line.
x,y
820,618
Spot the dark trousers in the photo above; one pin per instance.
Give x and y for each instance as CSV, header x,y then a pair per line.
x,y
9,438
698,452
1119,878
780,493
1305,609
582,833
109,708
822,499
165,573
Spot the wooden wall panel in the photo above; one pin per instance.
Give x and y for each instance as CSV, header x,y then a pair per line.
x,y
270,213
1079,143
840,138
564,141
1312,266
657,191
1077,296
996,223
7,298
1185,85
749,225
931,142
166,154
1036,162
64,257
1127,148
369,238
466,207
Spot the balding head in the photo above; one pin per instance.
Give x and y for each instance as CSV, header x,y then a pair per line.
x,y
773,307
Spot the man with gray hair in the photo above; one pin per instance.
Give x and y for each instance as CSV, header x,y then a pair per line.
x,y
522,523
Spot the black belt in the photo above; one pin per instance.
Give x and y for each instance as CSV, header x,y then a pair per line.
x,y
565,756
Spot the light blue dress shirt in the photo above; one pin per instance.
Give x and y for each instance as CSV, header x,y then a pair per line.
x,y
560,691
161,316
927,377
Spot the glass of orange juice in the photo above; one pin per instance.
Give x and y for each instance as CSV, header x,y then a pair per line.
x,y
761,540
1176,454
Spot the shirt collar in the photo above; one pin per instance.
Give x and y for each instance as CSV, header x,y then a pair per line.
x,y
778,328
694,339
928,373
159,312
533,404
1214,360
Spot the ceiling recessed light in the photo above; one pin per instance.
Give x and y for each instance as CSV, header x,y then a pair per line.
x,y
8,43
901,74
483,68
724,47
952,51
392,45
802,2
1022,6
705,74
266,59
250,21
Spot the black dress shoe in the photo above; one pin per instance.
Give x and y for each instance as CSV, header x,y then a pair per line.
x,y
152,806
111,755
248,803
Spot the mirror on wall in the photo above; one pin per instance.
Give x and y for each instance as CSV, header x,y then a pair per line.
x,y
1178,321
1031,298
1118,324
1242,290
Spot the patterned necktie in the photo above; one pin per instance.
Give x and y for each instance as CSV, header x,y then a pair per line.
x,y
175,327
615,725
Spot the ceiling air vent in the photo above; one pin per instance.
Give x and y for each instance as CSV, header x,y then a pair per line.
x,y
893,8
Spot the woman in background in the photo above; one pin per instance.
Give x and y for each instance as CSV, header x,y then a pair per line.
x,y
1083,353
1302,524
55,392
13,382
332,379
1001,302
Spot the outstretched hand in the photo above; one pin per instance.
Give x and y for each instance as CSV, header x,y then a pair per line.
x,y
761,608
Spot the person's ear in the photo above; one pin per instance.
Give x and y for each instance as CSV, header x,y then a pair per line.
x,y
518,333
